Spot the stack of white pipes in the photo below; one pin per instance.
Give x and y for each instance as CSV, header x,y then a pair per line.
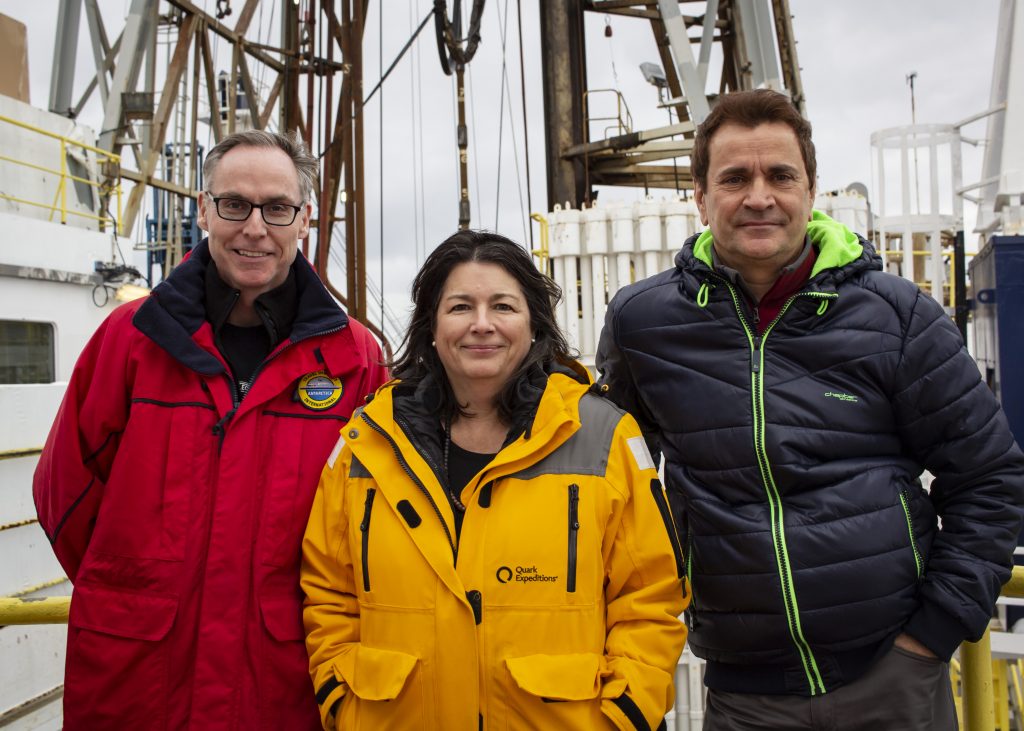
x,y
596,251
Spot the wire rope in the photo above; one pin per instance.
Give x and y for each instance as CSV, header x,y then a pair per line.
x,y
380,134
476,147
501,125
526,129
413,136
506,90
419,134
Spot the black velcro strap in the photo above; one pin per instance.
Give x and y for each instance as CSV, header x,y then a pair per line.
x,y
630,709
409,513
326,689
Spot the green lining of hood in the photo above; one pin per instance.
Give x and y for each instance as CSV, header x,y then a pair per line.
x,y
837,245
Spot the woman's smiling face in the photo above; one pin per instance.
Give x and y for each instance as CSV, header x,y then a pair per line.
x,y
481,326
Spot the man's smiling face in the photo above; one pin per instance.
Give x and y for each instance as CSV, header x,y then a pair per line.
x,y
253,256
757,199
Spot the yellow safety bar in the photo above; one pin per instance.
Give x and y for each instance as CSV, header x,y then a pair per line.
x,y
50,610
542,252
60,203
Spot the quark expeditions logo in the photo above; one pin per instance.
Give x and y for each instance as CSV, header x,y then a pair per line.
x,y
319,391
524,574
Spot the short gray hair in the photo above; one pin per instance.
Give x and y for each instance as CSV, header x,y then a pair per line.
x,y
306,166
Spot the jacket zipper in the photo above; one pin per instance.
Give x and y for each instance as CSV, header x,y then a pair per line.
x,y
221,427
910,529
574,530
412,476
670,526
364,527
789,600
691,609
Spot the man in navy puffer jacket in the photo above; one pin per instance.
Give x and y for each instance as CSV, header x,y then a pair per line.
x,y
797,393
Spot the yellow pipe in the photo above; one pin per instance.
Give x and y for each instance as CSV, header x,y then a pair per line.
x,y
926,252
542,252
976,666
1015,586
16,453
63,182
49,610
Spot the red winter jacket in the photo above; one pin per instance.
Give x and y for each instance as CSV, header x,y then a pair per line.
x,y
178,512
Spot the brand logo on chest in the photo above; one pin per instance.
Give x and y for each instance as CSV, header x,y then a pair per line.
x,y
522,574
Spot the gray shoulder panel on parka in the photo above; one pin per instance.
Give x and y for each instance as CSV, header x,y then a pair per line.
x,y
586,451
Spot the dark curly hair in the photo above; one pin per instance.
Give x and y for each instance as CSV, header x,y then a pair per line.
x,y
417,358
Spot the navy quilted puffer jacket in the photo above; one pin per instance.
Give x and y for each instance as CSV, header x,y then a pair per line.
x,y
793,461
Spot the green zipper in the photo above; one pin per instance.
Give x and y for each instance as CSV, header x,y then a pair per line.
x,y
910,529
814,681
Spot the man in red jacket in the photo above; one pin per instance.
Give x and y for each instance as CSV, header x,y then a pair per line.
x,y
177,478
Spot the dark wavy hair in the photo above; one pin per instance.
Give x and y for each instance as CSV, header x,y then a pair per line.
x,y
417,358
750,109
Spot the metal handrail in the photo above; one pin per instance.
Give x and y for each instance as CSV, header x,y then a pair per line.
x,y
61,196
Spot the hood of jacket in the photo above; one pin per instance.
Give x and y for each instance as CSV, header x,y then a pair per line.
x,y
412,408
841,254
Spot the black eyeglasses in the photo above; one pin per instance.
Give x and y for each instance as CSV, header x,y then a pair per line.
x,y
275,214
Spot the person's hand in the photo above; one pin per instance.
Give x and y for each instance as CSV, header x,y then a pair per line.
x,y
908,643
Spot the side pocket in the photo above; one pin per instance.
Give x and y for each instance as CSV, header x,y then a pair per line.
x,y
670,526
574,532
905,502
364,528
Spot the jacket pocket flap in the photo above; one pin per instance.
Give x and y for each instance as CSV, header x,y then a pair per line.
x,y
122,613
282,615
374,674
558,677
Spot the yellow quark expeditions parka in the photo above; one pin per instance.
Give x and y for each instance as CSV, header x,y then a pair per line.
x,y
558,607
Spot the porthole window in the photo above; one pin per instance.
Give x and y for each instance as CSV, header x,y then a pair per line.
x,y
26,352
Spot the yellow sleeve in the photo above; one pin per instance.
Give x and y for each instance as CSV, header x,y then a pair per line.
x,y
645,593
331,608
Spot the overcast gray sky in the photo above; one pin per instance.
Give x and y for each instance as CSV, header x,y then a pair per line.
x,y
855,56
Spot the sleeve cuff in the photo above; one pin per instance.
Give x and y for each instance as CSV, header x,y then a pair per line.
x,y
935,629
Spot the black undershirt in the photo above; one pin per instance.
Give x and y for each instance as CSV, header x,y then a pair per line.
x,y
244,348
462,466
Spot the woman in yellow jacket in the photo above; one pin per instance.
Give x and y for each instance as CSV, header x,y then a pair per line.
x,y
490,547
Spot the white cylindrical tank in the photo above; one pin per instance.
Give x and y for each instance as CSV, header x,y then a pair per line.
x,y
649,236
623,243
569,233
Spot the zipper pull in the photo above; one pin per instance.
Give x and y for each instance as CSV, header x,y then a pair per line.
x,y
221,427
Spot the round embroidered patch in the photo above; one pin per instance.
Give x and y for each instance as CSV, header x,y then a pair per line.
x,y
318,391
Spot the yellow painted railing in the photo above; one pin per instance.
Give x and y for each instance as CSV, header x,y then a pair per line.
x,y
542,252
105,159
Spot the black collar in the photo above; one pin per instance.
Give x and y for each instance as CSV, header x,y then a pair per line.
x,y
276,308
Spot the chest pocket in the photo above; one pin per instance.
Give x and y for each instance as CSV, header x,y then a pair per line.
x,y
544,539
